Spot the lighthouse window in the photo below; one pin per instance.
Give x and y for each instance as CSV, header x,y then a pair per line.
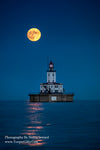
x,y
56,86
53,74
48,74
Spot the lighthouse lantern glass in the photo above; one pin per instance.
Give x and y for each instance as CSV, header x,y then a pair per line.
x,y
51,65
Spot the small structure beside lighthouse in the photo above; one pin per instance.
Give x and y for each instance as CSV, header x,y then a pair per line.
x,y
51,90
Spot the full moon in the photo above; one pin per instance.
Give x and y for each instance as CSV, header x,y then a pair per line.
x,y
33,34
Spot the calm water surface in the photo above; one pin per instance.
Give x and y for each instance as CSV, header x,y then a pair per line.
x,y
70,126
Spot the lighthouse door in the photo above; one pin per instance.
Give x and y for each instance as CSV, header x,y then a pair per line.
x,y
53,98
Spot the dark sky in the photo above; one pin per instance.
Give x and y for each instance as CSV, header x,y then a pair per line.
x,y
70,32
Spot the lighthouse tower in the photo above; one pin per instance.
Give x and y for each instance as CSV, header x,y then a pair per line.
x,y
51,74
51,87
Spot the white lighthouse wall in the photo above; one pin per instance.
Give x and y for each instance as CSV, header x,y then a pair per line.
x,y
51,77
54,88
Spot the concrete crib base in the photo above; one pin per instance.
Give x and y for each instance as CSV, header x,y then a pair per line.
x,y
51,97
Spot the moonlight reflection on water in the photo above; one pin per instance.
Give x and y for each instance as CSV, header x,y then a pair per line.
x,y
34,127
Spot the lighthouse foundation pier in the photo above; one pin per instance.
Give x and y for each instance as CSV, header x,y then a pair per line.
x,y
51,97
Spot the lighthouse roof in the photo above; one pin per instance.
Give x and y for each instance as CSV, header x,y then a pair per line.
x,y
54,83
51,63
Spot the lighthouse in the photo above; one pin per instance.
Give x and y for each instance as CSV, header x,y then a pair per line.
x,y
51,86
51,91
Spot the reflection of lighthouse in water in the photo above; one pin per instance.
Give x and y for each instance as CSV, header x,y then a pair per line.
x,y
51,86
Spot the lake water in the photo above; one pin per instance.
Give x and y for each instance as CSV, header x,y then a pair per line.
x,y
50,126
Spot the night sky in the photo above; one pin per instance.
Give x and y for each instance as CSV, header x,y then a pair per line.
x,y
70,37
